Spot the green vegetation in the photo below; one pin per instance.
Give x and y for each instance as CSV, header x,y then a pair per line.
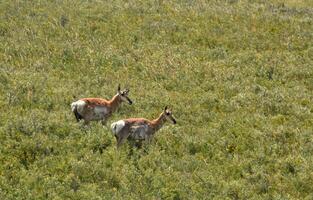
x,y
238,76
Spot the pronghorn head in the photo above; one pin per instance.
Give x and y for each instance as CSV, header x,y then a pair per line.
x,y
123,94
168,115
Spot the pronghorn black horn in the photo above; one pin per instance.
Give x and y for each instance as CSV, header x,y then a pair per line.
x,y
165,108
119,87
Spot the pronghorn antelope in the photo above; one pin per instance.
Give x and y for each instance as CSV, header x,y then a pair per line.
x,y
98,109
140,128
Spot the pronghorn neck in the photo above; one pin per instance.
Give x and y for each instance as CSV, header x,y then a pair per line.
x,y
158,122
115,102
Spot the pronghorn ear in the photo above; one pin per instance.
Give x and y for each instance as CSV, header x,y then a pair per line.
x,y
119,88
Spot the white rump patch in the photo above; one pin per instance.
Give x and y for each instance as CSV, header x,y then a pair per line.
x,y
116,127
79,104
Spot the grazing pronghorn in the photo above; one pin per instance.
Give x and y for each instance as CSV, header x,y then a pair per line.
x,y
98,109
139,128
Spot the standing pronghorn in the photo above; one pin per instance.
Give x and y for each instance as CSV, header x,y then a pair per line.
x,y
98,109
139,128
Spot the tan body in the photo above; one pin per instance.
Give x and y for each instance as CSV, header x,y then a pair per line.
x,y
139,128
98,109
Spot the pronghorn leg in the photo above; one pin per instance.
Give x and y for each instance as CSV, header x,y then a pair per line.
x,y
77,115
148,139
121,139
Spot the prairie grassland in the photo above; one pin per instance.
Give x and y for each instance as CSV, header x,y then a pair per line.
x,y
238,75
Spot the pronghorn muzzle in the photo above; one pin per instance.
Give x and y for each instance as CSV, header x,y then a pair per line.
x,y
129,101
173,119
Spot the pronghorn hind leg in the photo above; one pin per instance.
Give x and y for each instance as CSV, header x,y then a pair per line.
x,y
77,115
121,139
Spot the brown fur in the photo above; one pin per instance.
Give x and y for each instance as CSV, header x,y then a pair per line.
x,y
111,106
98,109
93,102
141,129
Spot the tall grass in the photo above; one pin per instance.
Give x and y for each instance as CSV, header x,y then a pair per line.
x,y
237,74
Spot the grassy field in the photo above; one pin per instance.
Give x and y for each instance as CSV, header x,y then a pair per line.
x,y
238,75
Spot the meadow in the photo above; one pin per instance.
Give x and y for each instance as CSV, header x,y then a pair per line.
x,y
237,74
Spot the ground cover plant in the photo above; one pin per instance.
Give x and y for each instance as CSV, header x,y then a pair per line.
x,y
237,74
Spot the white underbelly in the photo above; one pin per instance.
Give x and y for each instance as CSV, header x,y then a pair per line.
x,y
99,112
139,132
138,135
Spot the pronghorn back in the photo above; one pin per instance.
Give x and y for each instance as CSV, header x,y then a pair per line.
x,y
137,120
95,101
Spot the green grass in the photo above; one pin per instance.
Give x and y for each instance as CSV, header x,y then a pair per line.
x,y
238,76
